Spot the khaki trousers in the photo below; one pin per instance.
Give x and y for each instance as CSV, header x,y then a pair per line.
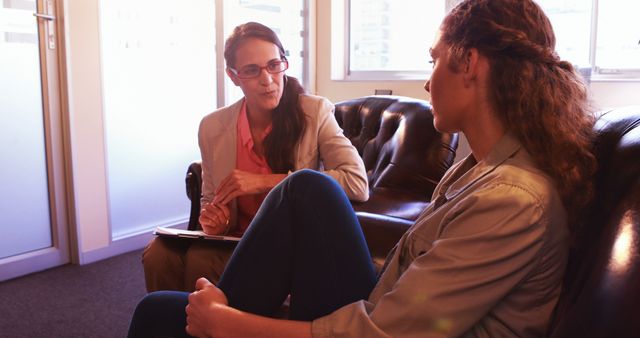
x,y
177,263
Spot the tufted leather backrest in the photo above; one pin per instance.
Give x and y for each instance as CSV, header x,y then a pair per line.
x,y
400,147
601,294
404,156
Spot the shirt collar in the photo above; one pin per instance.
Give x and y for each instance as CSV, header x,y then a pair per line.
x,y
503,150
244,130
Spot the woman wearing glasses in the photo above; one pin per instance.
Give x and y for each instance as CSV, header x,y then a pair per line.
x,y
247,148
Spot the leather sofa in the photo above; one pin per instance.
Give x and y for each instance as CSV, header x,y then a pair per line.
x,y
601,292
404,156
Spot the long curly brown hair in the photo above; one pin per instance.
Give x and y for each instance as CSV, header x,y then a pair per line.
x,y
539,98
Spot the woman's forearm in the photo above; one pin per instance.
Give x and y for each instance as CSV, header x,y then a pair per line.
x,y
236,323
273,179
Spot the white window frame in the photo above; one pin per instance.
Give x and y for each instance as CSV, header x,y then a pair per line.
x,y
606,74
341,41
343,14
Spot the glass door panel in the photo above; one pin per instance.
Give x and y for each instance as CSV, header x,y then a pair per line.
x,y
158,73
24,193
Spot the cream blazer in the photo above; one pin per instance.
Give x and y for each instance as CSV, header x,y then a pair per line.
x,y
322,147
485,259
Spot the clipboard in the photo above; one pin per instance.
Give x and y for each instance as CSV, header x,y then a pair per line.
x,y
193,234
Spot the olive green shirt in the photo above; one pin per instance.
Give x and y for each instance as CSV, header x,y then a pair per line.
x,y
485,259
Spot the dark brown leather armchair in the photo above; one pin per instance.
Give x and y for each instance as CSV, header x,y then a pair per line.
x,y
404,156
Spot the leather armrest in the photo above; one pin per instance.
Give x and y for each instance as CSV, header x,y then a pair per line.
x,y
385,217
193,181
382,233
394,203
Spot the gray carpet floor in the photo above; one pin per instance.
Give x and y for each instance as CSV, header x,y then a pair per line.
x,y
94,300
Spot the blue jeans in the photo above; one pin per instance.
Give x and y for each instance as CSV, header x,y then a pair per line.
x,y
305,241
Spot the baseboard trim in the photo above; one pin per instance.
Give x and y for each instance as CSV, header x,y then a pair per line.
x,y
116,247
31,262
120,245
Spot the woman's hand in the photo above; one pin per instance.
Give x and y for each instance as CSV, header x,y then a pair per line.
x,y
209,315
206,309
214,218
240,183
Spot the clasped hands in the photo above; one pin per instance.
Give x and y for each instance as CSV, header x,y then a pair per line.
x,y
206,304
215,215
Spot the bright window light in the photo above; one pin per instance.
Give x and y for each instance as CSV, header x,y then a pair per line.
x,y
602,36
389,40
571,20
390,35
618,43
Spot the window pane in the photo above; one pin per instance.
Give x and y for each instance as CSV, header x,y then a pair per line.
x,y
383,34
618,43
571,20
158,60
283,16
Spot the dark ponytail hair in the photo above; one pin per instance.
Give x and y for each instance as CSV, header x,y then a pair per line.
x,y
288,120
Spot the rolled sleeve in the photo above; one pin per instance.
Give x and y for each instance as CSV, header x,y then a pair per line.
x,y
206,154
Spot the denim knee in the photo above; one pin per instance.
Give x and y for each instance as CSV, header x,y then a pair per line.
x,y
310,180
160,313
149,305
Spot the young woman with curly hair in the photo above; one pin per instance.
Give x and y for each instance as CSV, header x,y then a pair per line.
x,y
536,96
485,259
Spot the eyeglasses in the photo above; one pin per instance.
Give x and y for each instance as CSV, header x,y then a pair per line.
x,y
253,70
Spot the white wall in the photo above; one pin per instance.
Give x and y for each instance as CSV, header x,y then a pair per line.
x,y
114,218
615,94
86,130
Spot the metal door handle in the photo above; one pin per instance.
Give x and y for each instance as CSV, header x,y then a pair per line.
x,y
44,16
49,25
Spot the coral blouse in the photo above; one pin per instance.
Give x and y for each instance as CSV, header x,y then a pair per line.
x,y
247,160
